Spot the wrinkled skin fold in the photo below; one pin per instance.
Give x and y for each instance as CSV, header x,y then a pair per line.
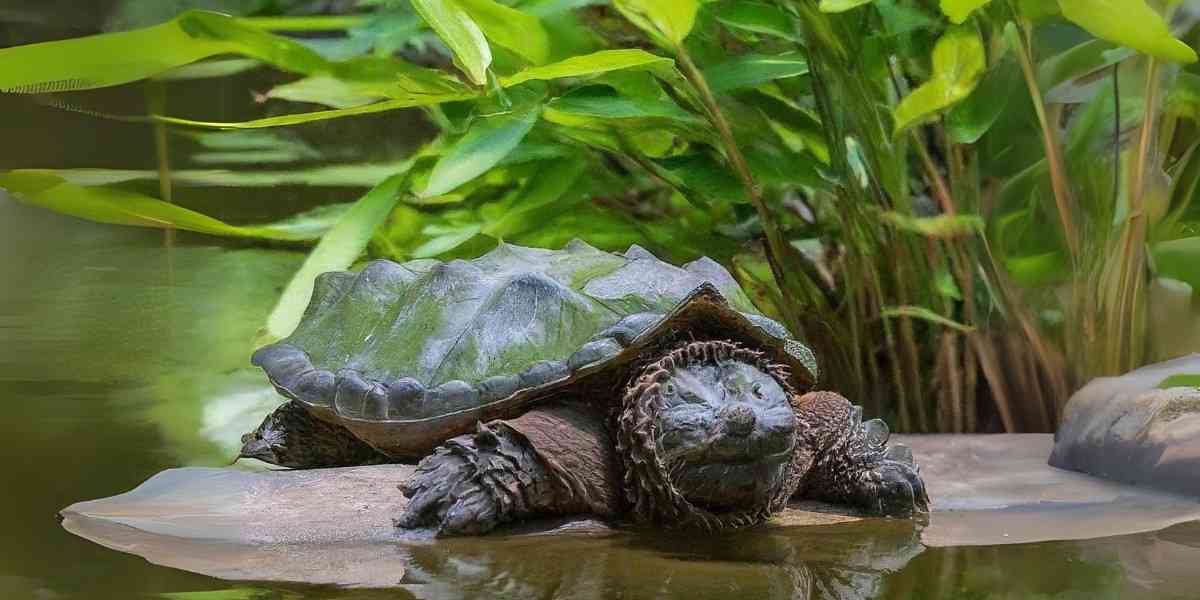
x,y
709,436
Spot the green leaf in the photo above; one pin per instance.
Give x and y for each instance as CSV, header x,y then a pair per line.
x,y
337,250
1179,259
756,17
536,202
837,6
595,63
520,33
210,69
698,175
945,285
1128,23
366,79
115,206
959,10
486,143
749,70
309,117
970,119
666,20
601,109
958,64
349,175
1180,380
116,58
1038,270
899,18
461,34
940,227
1060,75
920,312
1184,97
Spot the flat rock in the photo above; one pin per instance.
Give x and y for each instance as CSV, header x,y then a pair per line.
x,y
333,526
1125,428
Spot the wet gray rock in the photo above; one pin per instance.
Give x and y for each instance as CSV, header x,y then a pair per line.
x,y
334,526
1126,429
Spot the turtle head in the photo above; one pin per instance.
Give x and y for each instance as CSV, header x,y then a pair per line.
x,y
726,432
720,424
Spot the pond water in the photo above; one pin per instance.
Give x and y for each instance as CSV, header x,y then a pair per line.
x,y
122,355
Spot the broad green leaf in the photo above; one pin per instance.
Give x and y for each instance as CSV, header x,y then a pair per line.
x,y
486,143
1129,23
756,17
337,250
958,64
749,70
837,6
968,120
920,312
461,34
941,226
669,20
1179,259
595,63
116,58
520,33
116,206
959,10
1180,380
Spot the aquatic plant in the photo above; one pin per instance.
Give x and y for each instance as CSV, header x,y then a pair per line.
x,y
967,207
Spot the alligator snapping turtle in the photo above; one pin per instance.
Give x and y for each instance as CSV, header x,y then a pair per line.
x,y
532,382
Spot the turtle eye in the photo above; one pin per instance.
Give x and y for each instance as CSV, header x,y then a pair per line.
x,y
668,389
757,390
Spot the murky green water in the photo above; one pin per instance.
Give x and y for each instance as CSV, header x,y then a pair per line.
x,y
121,356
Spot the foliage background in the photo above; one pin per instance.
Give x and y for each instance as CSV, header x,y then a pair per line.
x,y
968,207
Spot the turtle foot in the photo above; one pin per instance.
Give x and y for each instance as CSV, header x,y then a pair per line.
x,y
891,488
858,467
473,483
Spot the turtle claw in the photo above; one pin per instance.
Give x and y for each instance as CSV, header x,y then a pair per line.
x,y
900,453
446,493
473,483
893,488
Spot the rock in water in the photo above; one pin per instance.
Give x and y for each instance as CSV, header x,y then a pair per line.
x,y
1128,429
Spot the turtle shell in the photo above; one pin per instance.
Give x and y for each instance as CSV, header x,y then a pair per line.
x,y
408,355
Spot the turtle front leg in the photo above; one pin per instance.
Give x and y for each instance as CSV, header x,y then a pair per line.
x,y
550,461
852,463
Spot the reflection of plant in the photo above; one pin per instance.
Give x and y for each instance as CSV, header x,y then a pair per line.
x,y
869,169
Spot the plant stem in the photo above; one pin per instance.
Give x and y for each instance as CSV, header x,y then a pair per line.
x,y
775,242
1058,173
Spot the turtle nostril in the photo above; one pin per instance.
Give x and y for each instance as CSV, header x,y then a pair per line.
x,y
738,419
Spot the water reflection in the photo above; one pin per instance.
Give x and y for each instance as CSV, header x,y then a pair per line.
x,y
840,562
